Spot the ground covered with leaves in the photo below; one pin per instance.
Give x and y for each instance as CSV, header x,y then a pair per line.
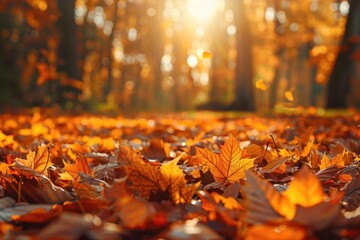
x,y
179,177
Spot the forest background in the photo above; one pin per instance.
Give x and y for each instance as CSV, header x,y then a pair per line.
x,y
174,55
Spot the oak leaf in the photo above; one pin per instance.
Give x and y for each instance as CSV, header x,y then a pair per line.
x,y
229,165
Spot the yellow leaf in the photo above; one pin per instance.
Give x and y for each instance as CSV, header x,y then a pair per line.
x,y
174,181
325,162
228,166
3,167
38,160
305,189
289,96
307,149
343,159
261,85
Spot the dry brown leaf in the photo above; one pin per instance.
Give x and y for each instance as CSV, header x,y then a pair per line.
x,y
38,215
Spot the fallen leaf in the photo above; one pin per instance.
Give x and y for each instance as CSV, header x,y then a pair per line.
x,y
145,178
305,189
228,166
38,160
280,231
175,183
351,199
72,170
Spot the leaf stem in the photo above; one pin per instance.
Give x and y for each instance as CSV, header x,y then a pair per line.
x,y
276,148
19,189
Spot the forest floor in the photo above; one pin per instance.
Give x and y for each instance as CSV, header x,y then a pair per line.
x,y
180,176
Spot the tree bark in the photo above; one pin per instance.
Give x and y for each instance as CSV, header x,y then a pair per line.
x,y
344,68
244,90
109,82
68,57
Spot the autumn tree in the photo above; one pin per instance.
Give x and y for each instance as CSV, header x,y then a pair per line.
x,y
343,74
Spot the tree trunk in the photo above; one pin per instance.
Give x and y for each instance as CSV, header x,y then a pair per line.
x,y
68,51
244,90
344,68
108,84
156,43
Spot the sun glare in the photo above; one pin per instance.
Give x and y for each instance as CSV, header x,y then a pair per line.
x,y
203,10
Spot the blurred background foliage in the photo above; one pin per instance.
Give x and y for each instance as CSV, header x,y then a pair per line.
x,y
174,55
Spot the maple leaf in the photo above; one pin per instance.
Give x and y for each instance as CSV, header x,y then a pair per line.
x,y
169,177
38,160
228,166
145,178
174,181
72,170
307,149
325,162
127,156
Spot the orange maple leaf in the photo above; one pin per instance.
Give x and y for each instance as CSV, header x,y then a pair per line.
x,y
169,177
228,166
72,171
38,160
127,156
175,183
145,178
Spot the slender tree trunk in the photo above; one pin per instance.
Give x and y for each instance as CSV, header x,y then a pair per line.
x,y
67,52
108,84
277,75
344,68
244,90
157,41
